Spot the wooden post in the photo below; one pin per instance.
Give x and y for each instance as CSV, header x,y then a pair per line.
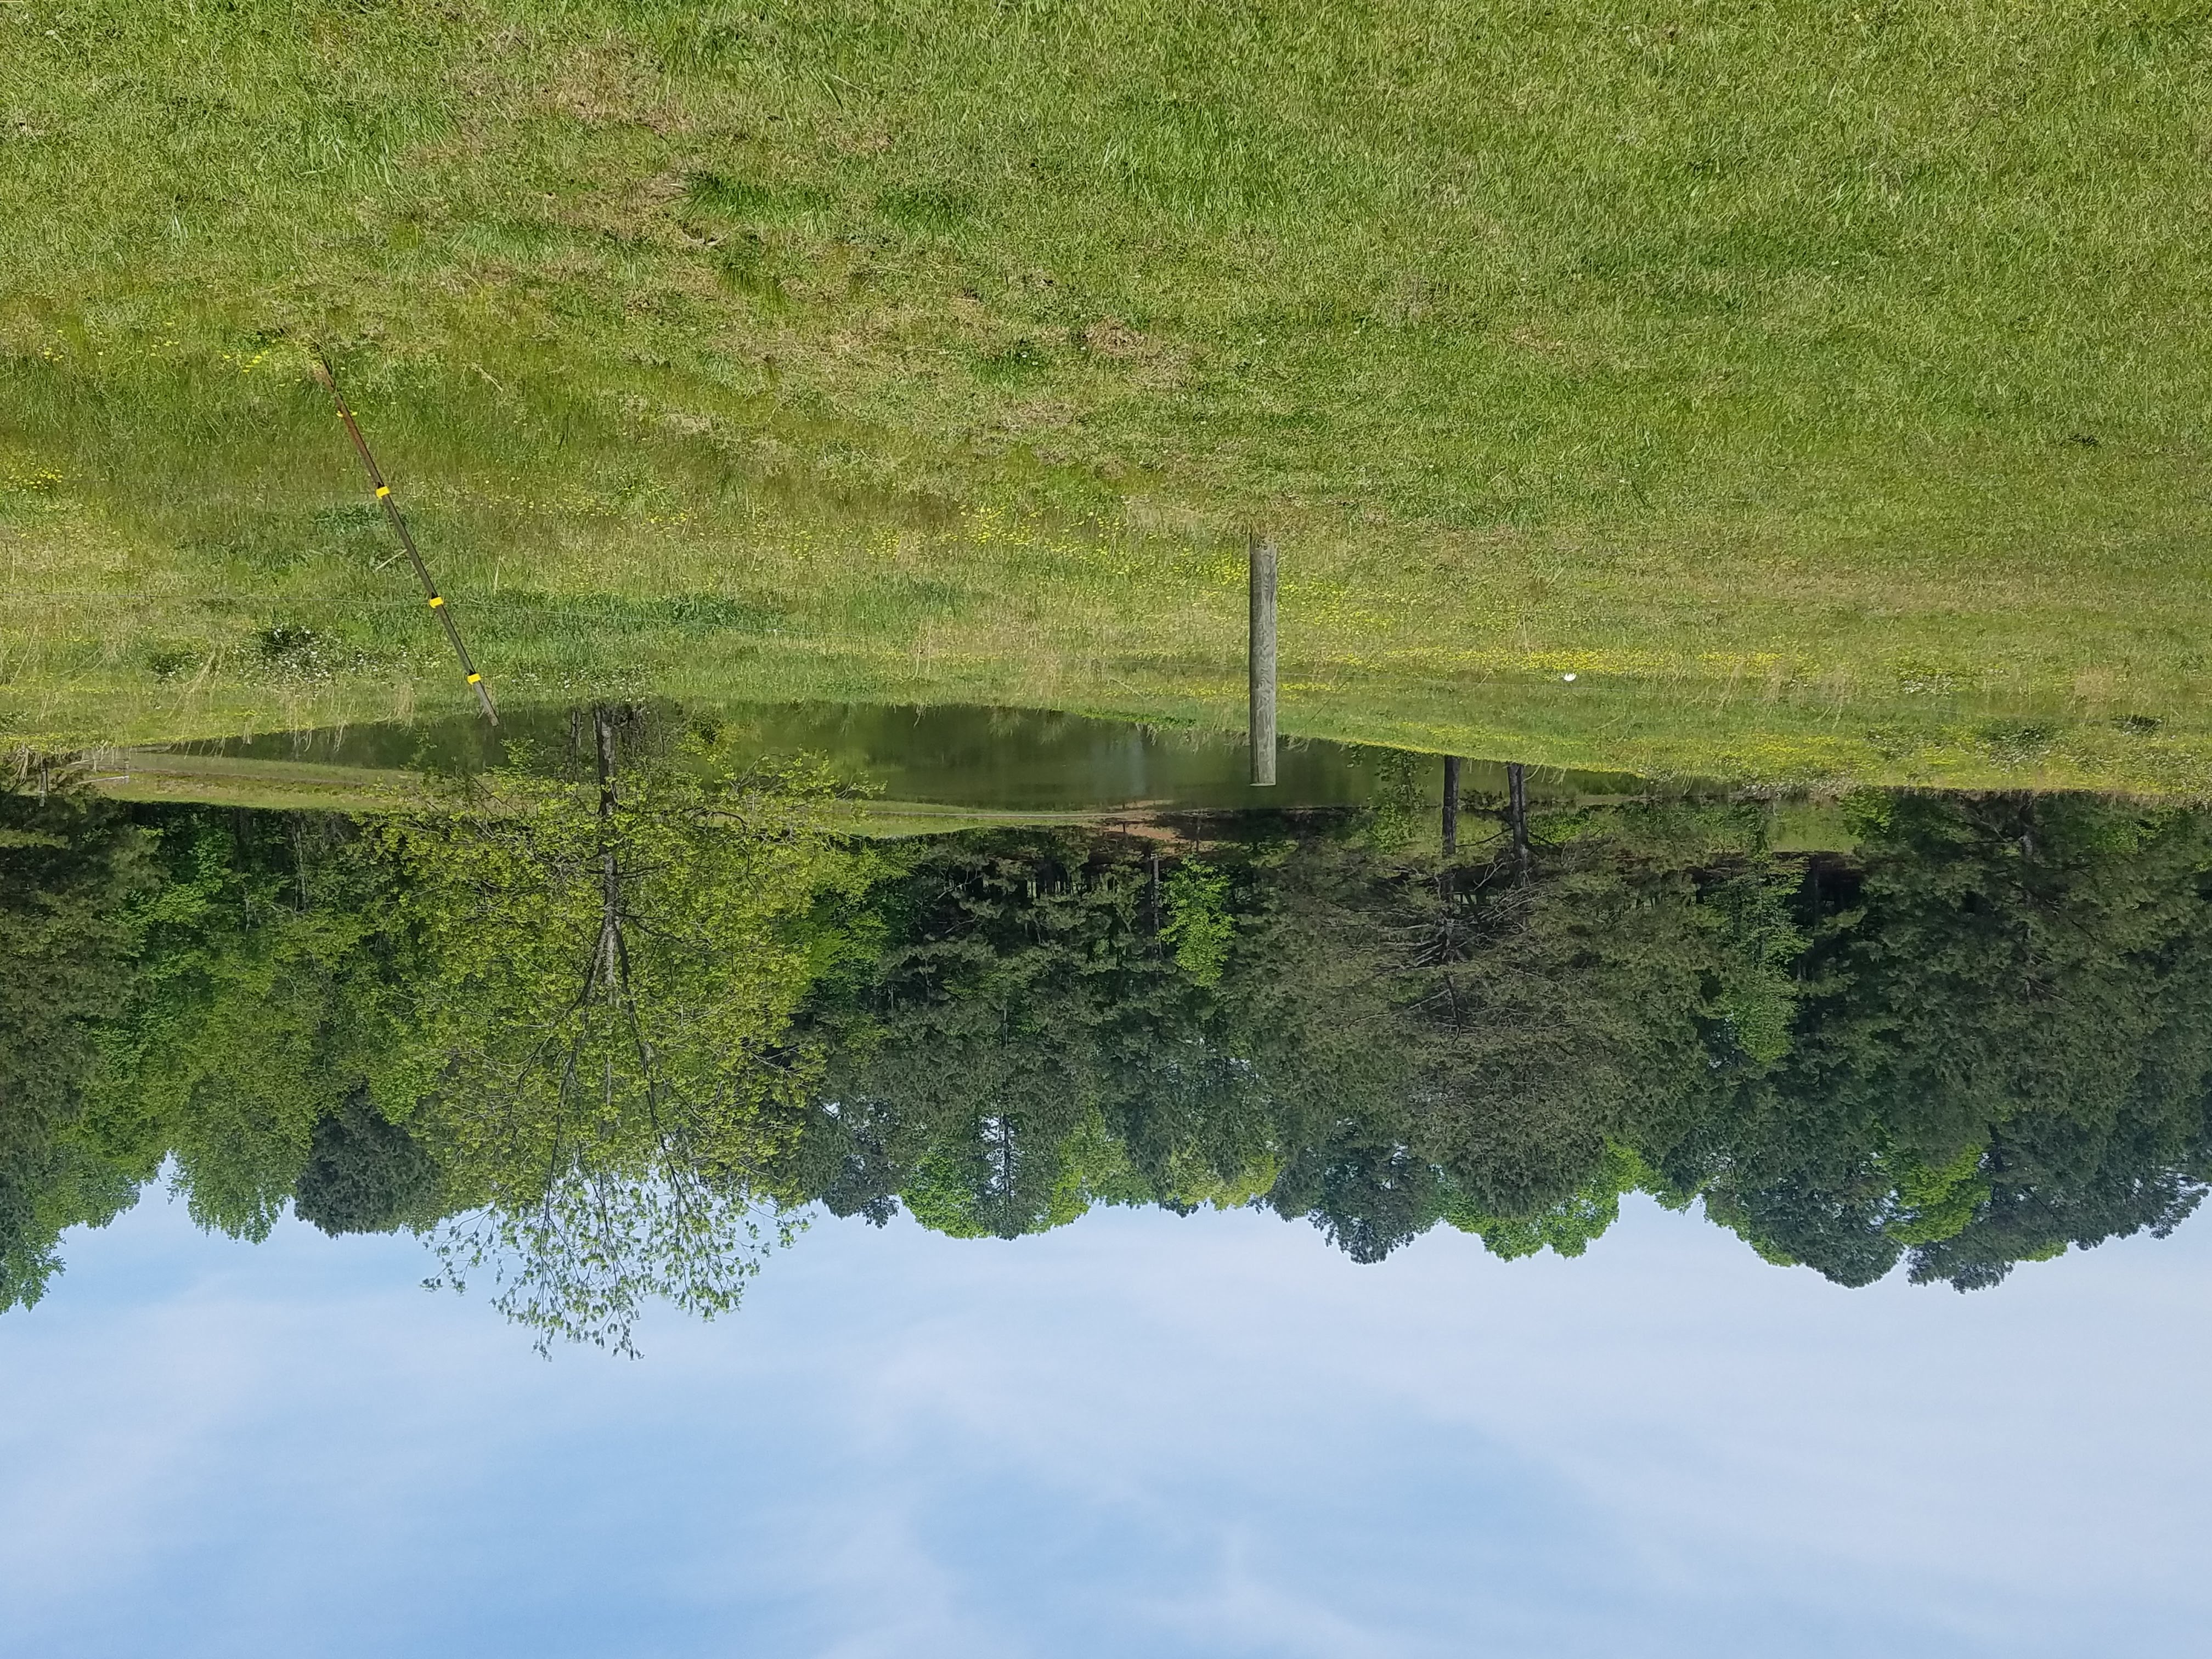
x,y
1260,660
1516,806
1451,806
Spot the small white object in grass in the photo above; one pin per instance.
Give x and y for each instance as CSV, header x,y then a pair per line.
x,y
1567,676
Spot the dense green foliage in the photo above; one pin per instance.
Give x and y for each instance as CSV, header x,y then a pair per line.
x,y
602,1026
616,955
543,1014
1979,1041
73,869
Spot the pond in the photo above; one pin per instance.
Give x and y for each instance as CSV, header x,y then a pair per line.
x,y
1017,760
1220,1219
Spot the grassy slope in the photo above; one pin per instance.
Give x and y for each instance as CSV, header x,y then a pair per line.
x,y
1738,358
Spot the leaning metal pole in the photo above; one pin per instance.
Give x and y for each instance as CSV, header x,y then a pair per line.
x,y
399,528
1260,658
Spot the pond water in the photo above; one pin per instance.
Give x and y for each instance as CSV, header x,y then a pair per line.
x,y
1014,759
1248,1229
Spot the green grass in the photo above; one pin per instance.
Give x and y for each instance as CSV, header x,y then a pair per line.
x,y
1827,388
158,774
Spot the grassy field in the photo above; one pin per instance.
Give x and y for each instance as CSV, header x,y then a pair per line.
x,y
160,775
1826,388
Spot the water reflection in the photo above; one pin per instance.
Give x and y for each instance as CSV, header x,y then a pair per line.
x,y
600,1025
1009,759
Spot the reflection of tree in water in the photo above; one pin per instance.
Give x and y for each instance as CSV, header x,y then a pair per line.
x,y
599,1031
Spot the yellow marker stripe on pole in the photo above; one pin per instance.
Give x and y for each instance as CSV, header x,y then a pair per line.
x,y
437,600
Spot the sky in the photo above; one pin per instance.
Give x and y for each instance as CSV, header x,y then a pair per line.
x,y
1143,1434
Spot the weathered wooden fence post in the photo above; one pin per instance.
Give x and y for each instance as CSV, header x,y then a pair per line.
x,y
1451,806
1261,657
1516,806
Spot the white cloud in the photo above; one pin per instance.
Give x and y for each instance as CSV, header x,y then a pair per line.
x,y
1139,1434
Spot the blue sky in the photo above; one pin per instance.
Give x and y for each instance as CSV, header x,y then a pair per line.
x,y
1143,1434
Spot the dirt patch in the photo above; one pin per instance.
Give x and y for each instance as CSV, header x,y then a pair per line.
x,y
1112,338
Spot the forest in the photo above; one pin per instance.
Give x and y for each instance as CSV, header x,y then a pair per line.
x,y
607,1023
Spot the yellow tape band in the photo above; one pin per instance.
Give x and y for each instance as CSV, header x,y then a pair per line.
x,y
473,678
436,602
382,490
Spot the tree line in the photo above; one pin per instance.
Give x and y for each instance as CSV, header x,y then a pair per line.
x,y
601,1023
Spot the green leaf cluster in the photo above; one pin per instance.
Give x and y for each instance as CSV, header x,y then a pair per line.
x,y
602,1024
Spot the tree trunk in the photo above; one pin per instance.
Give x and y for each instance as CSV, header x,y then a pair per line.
x,y
602,729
